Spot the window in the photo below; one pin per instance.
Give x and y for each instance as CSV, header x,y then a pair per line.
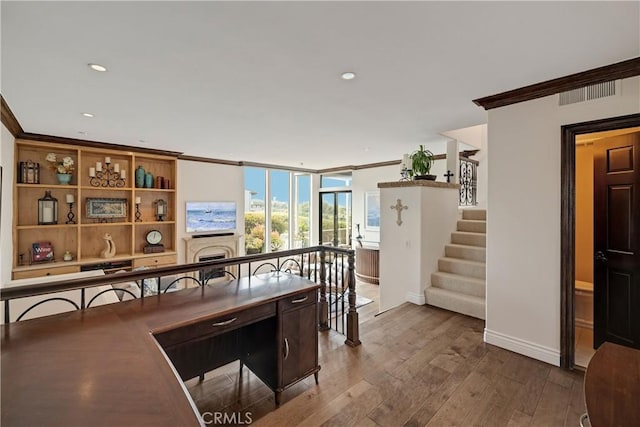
x,y
287,210
255,182
337,179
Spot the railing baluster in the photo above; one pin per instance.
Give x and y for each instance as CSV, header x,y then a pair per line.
x,y
353,327
82,297
6,312
324,306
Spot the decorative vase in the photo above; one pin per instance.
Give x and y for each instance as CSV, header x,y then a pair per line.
x,y
148,180
140,173
64,178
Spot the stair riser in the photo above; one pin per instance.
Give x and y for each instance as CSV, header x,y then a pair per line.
x,y
461,268
459,285
472,226
453,303
470,253
475,214
469,239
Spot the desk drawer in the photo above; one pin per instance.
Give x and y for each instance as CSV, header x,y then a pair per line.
x,y
216,325
299,300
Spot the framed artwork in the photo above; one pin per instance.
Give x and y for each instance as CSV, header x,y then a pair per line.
x,y
106,208
372,210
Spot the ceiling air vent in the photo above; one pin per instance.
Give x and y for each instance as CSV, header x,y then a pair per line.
x,y
587,93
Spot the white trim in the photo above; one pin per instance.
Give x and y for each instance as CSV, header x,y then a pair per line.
x,y
417,299
533,350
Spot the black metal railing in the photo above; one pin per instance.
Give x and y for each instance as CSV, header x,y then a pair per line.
x,y
468,181
332,268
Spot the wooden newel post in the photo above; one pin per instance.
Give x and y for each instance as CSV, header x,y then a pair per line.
x,y
353,331
323,313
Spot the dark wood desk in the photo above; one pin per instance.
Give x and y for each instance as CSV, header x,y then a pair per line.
x,y
106,365
612,386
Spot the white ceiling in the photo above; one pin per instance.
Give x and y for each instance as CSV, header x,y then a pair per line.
x,y
259,81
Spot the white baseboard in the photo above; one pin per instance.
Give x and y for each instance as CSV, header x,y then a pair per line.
x,y
417,299
533,350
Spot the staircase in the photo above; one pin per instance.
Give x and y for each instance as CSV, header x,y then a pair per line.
x,y
459,283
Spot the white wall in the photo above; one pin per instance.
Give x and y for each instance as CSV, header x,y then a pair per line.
x,y
364,180
409,252
200,181
6,214
523,228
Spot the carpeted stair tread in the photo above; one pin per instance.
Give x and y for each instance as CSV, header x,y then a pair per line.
x,y
469,238
460,303
459,283
468,252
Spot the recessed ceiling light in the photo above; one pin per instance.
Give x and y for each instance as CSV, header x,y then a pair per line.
x,y
98,67
87,114
348,75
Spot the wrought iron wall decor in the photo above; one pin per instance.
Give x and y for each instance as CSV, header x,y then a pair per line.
x,y
468,182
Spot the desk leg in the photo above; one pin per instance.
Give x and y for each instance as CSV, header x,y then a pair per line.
x,y
278,393
201,377
241,366
315,375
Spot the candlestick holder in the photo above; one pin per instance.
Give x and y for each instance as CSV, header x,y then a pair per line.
x,y
138,214
70,215
107,177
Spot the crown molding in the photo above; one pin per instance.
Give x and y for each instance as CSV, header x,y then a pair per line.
x,y
94,144
8,119
619,70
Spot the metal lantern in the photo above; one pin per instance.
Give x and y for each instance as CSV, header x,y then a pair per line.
x,y
161,209
47,209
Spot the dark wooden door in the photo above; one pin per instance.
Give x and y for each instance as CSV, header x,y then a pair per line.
x,y
300,335
617,240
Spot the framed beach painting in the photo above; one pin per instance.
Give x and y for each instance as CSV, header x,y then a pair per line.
x,y
372,210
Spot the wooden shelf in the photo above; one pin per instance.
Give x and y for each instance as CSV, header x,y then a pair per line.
x,y
166,252
161,190
153,222
44,227
46,265
85,239
105,224
70,186
92,188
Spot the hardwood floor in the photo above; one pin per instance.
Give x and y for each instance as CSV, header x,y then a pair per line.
x,y
417,366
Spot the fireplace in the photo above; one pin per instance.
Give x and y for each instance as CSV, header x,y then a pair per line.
x,y
206,248
210,273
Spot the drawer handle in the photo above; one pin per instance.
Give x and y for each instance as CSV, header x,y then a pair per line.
x,y
286,348
226,322
297,301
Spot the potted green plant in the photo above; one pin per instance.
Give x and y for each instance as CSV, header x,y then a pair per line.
x,y
421,161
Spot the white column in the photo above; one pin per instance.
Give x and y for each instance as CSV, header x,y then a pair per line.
x,y
453,160
409,252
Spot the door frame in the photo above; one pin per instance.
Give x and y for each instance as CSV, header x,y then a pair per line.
x,y
567,224
335,193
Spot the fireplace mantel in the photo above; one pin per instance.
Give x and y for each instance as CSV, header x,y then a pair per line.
x,y
197,247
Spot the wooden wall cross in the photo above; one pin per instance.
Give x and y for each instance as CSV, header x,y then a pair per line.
x,y
399,208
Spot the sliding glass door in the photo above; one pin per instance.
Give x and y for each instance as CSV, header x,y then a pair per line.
x,y
335,215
